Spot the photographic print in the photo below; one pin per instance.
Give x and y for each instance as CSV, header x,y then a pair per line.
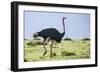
x,y
56,36
53,36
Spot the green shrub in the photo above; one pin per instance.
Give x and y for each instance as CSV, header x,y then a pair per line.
x,y
37,43
33,43
86,39
30,43
64,53
25,39
25,60
54,54
68,39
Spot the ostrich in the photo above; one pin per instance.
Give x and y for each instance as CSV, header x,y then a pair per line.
x,y
51,33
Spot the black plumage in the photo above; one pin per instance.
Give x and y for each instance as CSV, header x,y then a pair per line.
x,y
52,34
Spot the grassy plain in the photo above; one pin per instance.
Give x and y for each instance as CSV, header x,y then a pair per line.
x,y
67,49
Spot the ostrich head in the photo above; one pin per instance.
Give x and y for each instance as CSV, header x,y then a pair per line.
x,y
36,35
64,17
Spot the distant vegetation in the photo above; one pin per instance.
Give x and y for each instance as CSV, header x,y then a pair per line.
x,y
31,43
68,39
25,39
85,39
34,42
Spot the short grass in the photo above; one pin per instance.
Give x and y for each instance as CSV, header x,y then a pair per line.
x,y
76,49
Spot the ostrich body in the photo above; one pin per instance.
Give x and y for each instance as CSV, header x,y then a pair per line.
x,y
51,33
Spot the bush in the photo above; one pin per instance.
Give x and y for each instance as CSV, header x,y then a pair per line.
x,y
86,39
30,43
25,60
64,53
54,54
37,43
68,39
34,43
25,39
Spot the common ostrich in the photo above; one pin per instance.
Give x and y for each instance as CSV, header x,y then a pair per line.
x,y
51,33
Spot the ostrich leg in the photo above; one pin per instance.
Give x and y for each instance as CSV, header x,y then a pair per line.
x,y
45,51
51,48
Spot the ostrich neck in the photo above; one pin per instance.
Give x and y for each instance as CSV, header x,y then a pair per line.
x,y
63,24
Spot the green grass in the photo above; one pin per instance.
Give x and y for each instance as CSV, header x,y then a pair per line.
x,y
76,49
